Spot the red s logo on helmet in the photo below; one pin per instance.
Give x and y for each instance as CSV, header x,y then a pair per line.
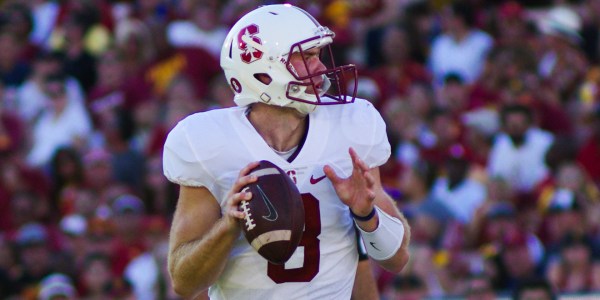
x,y
249,54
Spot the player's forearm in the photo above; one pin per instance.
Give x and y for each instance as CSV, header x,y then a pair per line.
x,y
364,287
397,262
196,265
395,227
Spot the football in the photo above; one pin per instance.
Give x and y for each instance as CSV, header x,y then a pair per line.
x,y
274,219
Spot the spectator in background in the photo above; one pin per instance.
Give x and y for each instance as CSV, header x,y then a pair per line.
x,y
518,152
444,132
172,62
515,262
148,271
536,288
461,48
152,11
85,203
569,178
589,11
17,17
219,95
564,215
181,99
128,163
8,265
115,93
422,27
562,62
108,95
93,18
181,94
159,194
460,194
98,171
128,215
398,70
453,95
479,287
97,280
407,130
589,151
512,26
101,236
480,126
13,70
34,255
44,14
64,123
57,286
200,29
79,62
405,287
73,243
31,97
574,269
134,42
493,220
27,207
66,175
561,153
18,178
12,129
428,215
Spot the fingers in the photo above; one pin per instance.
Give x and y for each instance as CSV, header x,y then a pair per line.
x,y
361,167
244,178
236,200
331,175
356,161
238,193
369,179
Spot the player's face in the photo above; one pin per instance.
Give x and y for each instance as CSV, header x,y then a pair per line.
x,y
309,62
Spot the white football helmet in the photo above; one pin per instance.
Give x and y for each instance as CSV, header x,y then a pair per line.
x,y
261,43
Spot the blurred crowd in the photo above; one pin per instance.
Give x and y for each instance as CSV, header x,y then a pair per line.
x,y
492,107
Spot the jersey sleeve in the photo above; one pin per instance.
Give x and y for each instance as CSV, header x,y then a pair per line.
x,y
181,162
381,150
368,134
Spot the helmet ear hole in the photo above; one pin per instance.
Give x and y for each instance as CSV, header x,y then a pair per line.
x,y
264,78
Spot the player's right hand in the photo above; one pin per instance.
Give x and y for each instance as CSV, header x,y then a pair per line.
x,y
235,195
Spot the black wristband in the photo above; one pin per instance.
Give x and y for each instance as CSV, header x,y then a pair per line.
x,y
365,218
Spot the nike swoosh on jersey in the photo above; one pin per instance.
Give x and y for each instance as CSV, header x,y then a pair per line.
x,y
373,245
272,212
316,180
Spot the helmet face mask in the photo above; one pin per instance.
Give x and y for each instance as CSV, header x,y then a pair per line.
x,y
336,78
259,61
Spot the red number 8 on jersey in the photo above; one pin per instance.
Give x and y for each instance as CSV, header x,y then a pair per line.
x,y
310,242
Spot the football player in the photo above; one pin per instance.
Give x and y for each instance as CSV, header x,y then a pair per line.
x,y
291,110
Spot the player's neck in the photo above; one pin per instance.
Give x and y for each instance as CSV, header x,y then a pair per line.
x,y
282,128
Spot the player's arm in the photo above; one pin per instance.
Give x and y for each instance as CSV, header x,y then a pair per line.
x,y
384,229
202,236
365,287
384,202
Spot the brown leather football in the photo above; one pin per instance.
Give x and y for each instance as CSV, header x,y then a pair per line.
x,y
274,219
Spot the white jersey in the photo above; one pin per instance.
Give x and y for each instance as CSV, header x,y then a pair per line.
x,y
208,149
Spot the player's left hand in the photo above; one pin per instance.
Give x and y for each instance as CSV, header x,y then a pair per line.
x,y
356,191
